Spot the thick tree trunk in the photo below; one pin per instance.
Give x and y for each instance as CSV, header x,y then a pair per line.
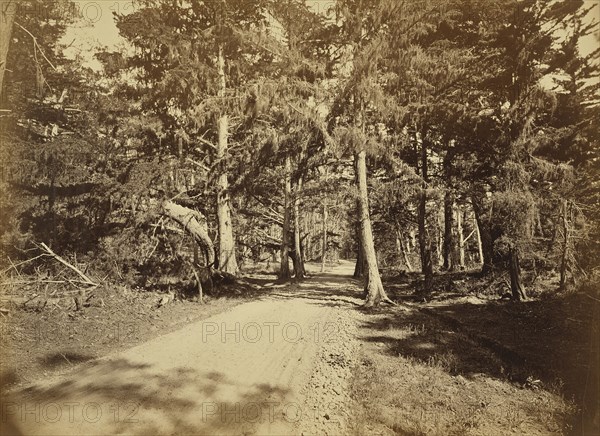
x,y
324,230
374,292
449,232
516,287
299,270
195,224
360,266
7,16
424,237
284,270
226,257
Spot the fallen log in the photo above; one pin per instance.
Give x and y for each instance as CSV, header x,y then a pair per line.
x,y
195,224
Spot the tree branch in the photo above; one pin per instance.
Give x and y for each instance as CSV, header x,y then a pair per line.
x,y
37,45
85,278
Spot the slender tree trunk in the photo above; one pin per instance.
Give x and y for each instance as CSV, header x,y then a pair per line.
x,y
425,243
309,250
299,270
7,16
566,241
374,292
324,246
449,239
226,257
402,250
538,222
480,250
484,238
516,287
284,271
424,237
439,241
479,242
461,237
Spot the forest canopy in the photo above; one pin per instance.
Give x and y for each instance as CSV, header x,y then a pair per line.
x,y
422,136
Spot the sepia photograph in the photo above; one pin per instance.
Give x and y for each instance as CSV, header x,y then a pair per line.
x,y
300,217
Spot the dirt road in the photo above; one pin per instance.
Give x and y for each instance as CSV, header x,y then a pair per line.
x,y
279,365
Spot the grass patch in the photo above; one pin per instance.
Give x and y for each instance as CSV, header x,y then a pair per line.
x,y
419,378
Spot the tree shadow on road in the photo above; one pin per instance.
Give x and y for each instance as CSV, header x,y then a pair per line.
x,y
119,396
326,290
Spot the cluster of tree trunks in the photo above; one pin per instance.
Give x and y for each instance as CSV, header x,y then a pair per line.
x,y
291,247
484,234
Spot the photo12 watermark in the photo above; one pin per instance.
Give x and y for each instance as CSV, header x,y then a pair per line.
x,y
270,331
90,12
53,412
254,412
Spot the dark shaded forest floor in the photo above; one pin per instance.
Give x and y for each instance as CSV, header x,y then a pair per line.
x,y
466,362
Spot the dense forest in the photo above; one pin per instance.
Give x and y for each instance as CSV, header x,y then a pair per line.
x,y
427,136
446,150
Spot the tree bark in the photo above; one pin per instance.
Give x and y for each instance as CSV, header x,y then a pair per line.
x,y
449,236
425,243
324,246
284,270
359,267
195,224
227,257
461,237
374,292
565,249
7,16
299,270
484,237
516,287
439,240
424,237
479,242
402,250
308,245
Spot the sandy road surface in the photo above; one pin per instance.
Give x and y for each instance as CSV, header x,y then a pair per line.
x,y
279,365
